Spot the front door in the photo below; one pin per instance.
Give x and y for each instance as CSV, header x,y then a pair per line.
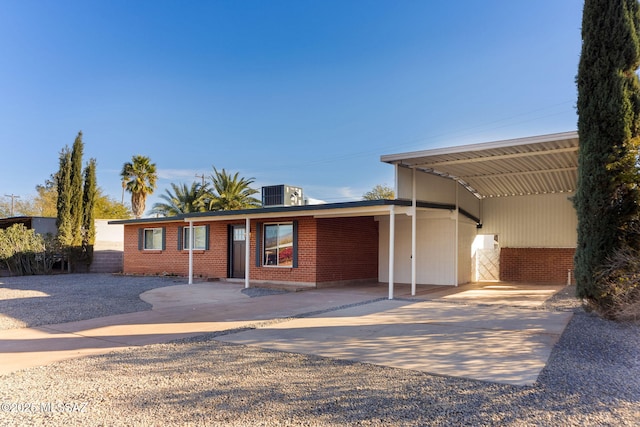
x,y
237,245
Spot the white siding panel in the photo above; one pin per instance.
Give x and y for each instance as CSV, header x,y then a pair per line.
x,y
436,254
435,249
468,201
433,188
403,183
430,188
537,221
383,249
466,235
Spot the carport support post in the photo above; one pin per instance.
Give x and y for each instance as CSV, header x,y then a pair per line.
x,y
414,222
456,243
247,251
191,252
392,249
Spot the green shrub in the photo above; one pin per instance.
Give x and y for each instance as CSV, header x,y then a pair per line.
x,y
25,252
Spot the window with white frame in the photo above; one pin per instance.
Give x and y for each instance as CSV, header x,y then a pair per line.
x,y
199,237
278,245
152,238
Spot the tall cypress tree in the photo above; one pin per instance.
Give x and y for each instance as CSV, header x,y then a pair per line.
x,y
76,192
88,202
63,181
607,195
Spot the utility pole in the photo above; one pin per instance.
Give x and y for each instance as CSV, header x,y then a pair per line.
x,y
13,197
124,185
201,176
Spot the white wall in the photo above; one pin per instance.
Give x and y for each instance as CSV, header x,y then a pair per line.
x,y
467,232
436,189
430,188
435,262
468,201
547,220
109,236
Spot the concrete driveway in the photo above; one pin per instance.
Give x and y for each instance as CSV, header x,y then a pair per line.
x,y
442,331
497,344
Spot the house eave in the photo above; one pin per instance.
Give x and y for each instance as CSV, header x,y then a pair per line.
x,y
363,207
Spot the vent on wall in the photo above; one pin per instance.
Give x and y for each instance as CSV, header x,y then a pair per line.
x,y
281,195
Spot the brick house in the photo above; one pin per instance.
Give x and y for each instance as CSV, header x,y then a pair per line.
x,y
492,211
311,245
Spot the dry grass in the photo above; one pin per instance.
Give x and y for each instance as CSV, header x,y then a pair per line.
x,y
620,284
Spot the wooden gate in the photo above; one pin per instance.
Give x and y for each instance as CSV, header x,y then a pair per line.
x,y
488,264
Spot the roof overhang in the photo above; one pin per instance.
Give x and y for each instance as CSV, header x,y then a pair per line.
x,y
360,208
331,210
535,165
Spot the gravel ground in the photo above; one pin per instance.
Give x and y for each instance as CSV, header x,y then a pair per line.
x,y
564,300
592,379
72,297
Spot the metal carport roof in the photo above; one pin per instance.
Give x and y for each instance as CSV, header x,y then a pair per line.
x,y
535,165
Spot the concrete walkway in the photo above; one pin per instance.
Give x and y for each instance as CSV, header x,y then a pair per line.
x,y
434,332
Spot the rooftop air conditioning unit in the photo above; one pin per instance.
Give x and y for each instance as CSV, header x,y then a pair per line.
x,y
281,195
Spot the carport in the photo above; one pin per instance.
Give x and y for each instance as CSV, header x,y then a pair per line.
x,y
517,189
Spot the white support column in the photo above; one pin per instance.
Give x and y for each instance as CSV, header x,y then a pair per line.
x,y
247,252
414,238
395,180
190,252
456,243
392,249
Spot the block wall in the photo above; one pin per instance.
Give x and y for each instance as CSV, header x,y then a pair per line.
x,y
536,265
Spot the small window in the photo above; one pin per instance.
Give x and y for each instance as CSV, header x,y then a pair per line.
x,y
238,234
278,245
199,237
152,239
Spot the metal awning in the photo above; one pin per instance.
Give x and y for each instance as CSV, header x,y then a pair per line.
x,y
535,165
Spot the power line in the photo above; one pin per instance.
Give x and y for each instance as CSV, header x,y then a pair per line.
x,y
423,139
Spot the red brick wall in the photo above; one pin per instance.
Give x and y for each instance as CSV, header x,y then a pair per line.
x,y
214,262
306,270
347,249
210,263
328,250
536,265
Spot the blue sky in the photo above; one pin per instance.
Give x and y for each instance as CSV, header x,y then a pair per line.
x,y
305,93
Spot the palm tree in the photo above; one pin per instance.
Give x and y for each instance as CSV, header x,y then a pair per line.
x,y
140,177
183,199
231,192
